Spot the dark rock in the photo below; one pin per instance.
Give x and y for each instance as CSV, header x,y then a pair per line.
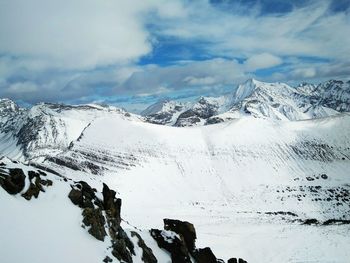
x,y
175,246
32,175
336,222
76,197
46,182
107,259
82,195
324,176
204,255
235,260
95,219
42,173
120,251
309,178
112,206
184,229
147,253
14,182
281,213
33,190
45,169
122,235
311,221
213,120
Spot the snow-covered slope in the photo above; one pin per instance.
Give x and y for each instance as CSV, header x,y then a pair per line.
x,y
47,217
235,179
46,128
277,101
223,159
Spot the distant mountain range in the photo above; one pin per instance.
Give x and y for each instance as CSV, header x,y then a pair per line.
x,y
277,101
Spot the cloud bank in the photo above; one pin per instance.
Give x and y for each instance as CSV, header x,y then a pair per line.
x,y
83,50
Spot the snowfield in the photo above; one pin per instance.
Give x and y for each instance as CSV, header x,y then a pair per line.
x,y
227,178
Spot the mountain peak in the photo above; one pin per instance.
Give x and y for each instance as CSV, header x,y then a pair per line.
x,y
8,105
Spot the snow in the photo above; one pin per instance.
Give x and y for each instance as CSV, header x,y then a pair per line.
x,y
47,229
224,177
277,101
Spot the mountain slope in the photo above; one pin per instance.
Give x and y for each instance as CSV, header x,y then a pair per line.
x,y
46,128
276,101
73,222
243,177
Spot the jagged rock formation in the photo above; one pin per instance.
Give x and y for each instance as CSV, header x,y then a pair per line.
x,y
178,238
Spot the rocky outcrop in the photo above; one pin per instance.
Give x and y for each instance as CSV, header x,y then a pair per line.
x,y
103,218
179,238
36,185
183,228
204,255
12,180
236,260
147,253
173,244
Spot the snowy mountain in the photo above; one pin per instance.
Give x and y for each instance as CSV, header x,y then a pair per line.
x,y
254,187
45,128
276,101
240,182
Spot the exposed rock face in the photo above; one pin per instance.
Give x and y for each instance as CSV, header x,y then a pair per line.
x,y
179,238
187,118
185,229
95,219
173,244
214,120
112,206
311,221
123,248
83,195
147,253
36,185
204,255
236,260
14,182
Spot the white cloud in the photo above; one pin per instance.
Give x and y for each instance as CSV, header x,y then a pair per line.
x,y
261,61
310,30
74,34
199,81
191,73
22,87
63,50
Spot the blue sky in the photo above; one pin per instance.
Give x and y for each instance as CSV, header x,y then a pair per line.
x,y
132,53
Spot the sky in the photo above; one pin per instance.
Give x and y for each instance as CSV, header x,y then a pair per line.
x,y
133,53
